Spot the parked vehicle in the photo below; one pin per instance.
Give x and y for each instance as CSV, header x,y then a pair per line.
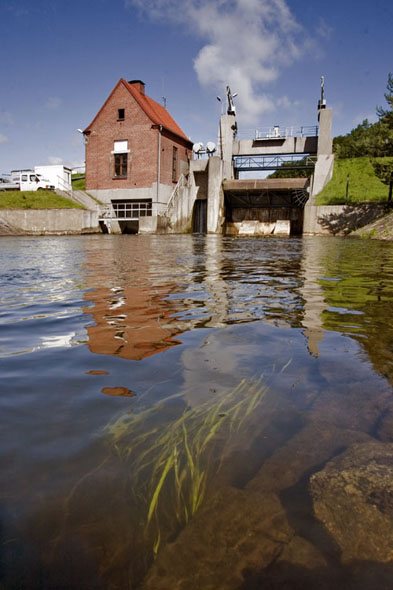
x,y
27,181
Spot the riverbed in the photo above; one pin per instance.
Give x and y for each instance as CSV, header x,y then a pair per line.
x,y
196,412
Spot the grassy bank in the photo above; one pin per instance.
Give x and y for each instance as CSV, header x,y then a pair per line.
x,y
364,185
35,200
78,182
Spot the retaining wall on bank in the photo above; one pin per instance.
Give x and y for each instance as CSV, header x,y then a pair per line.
x,y
340,219
51,221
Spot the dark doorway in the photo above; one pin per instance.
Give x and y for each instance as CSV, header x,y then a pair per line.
x,y
199,218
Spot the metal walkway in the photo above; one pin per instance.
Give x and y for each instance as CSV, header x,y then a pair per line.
x,y
274,162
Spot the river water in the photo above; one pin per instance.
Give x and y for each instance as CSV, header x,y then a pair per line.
x,y
175,410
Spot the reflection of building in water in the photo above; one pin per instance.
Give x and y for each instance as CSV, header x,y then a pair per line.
x,y
217,303
143,313
144,296
314,301
132,322
132,307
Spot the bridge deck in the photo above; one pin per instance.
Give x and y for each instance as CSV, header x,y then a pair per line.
x,y
258,184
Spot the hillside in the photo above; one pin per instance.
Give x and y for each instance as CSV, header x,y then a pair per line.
x,y
364,185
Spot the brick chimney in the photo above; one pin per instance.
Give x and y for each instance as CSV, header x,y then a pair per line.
x,y
139,85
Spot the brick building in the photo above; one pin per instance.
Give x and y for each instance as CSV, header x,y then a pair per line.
x,y
135,151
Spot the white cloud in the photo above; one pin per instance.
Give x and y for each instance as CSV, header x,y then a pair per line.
x,y
285,103
54,160
3,138
53,102
247,44
324,30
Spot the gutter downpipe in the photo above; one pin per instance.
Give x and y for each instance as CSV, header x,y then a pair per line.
x,y
159,165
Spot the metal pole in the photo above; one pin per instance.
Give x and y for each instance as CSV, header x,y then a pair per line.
x,y
346,193
159,165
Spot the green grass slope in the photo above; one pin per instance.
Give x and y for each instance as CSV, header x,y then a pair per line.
x,y
35,200
78,182
364,185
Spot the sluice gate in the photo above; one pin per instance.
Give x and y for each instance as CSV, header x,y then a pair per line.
x,y
265,206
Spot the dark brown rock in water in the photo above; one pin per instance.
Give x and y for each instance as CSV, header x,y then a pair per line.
x,y
353,497
122,391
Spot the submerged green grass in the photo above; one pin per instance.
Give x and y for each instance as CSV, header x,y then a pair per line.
x,y
171,463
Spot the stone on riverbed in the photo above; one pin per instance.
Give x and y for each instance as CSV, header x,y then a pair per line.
x,y
353,497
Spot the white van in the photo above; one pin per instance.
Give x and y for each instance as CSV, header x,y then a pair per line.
x,y
27,181
34,182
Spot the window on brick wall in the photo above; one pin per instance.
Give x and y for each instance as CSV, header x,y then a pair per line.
x,y
121,165
174,164
120,114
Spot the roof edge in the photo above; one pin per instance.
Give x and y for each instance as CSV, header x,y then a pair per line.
x,y
135,94
107,100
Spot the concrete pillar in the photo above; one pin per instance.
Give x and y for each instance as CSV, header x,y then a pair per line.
x,y
215,198
325,145
324,166
225,143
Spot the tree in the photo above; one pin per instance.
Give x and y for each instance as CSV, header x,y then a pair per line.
x,y
370,139
283,171
384,115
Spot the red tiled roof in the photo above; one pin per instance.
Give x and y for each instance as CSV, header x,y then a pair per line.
x,y
156,113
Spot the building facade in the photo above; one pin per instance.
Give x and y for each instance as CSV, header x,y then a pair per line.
x,y
135,151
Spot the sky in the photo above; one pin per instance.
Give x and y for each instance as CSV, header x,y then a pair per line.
x,y
61,59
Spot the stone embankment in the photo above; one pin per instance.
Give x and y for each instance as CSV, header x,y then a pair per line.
x,y
381,229
48,222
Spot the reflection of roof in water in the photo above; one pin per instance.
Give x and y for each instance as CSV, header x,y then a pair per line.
x,y
132,323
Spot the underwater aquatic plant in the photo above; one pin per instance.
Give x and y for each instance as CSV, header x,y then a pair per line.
x,y
178,455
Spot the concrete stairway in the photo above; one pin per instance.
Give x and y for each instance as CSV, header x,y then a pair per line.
x,y
79,197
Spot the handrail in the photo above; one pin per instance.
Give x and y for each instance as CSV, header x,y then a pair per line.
x,y
274,162
181,183
277,132
75,195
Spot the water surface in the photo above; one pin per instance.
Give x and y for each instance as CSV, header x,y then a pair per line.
x,y
165,401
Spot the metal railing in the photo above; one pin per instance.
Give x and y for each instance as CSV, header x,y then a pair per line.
x,y
286,162
175,196
126,210
77,196
277,132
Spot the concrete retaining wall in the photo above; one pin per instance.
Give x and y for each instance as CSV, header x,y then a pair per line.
x,y
339,219
51,221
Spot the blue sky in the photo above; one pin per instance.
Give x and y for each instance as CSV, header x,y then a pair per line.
x,y
60,60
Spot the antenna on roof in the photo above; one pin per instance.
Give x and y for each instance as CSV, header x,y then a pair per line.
x,y
164,102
